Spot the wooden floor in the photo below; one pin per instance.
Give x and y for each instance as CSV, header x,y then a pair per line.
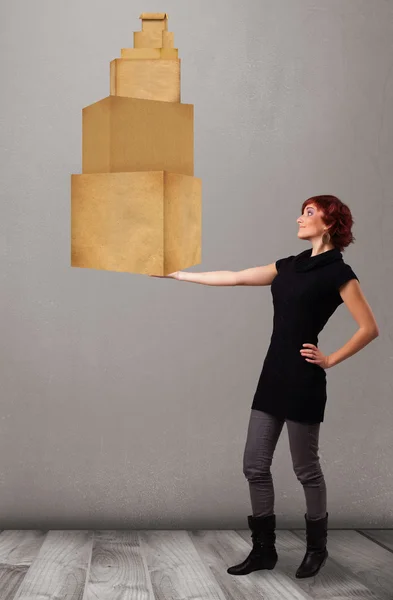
x,y
189,565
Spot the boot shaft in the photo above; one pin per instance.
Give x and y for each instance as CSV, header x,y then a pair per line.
x,y
316,533
263,530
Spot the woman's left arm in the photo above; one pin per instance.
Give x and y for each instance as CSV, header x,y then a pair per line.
x,y
354,299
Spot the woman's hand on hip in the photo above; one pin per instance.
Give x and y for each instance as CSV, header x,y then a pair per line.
x,y
313,355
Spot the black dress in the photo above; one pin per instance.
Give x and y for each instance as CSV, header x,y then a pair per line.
x,y
305,295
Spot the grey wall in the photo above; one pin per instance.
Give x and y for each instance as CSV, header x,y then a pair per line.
x,y
125,399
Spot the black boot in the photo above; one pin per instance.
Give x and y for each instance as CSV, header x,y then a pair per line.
x,y
316,554
263,554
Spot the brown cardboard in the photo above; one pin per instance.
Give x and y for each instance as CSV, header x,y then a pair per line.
x,y
139,222
131,134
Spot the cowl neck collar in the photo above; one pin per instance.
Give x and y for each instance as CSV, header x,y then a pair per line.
x,y
304,261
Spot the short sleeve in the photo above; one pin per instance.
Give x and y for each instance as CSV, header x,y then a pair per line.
x,y
282,261
342,275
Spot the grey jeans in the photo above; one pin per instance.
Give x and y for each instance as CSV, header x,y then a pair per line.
x,y
263,433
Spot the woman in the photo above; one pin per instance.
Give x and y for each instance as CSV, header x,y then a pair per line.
x,y
306,290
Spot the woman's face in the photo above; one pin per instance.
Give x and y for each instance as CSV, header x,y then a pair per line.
x,y
310,223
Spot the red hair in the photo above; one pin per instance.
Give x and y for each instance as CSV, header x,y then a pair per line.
x,y
337,217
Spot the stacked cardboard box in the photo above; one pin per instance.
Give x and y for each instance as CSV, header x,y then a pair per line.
x,y
137,206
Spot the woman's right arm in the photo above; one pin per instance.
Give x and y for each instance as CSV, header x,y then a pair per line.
x,y
254,276
210,277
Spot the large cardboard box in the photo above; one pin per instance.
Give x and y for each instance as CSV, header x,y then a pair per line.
x,y
131,134
146,222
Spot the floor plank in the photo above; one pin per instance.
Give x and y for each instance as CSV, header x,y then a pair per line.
x,y
176,569
118,568
18,549
59,569
383,537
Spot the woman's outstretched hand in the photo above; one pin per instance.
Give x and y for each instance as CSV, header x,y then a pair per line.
x,y
175,275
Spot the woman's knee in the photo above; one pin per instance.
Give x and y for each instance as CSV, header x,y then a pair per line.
x,y
309,473
256,469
